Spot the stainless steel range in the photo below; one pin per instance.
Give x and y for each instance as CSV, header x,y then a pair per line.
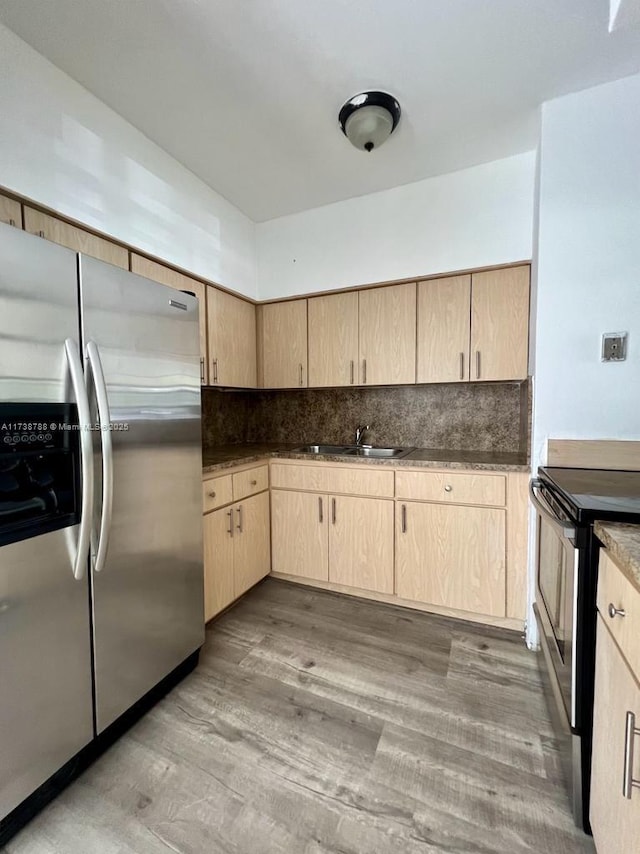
x,y
567,502
101,600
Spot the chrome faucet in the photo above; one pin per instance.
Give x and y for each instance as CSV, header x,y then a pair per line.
x,y
360,431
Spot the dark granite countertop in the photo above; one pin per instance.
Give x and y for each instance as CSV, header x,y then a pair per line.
x,y
623,543
227,456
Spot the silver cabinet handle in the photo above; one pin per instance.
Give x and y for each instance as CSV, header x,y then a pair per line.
x,y
616,612
478,364
86,457
364,371
300,368
41,234
253,483
404,518
352,367
202,370
230,528
631,731
239,518
215,370
461,366
212,495
333,511
12,222
448,488
320,510
104,416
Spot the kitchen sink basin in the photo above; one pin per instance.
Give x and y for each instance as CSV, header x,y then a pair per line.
x,y
323,449
382,453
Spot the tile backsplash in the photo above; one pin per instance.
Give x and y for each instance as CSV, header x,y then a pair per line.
x,y
464,416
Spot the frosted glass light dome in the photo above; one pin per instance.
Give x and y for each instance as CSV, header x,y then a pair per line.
x,y
368,119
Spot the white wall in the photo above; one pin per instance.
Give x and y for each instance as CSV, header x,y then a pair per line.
x,y
588,265
586,272
472,218
62,147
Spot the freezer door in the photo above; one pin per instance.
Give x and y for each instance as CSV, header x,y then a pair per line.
x,y
45,639
147,581
38,310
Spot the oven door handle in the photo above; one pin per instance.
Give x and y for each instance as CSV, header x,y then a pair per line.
x,y
568,530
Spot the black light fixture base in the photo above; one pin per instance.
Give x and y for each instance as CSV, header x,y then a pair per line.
x,y
370,99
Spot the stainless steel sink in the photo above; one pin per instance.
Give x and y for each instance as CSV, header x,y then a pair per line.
x,y
323,449
353,451
382,453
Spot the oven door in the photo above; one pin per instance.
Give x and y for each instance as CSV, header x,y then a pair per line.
x,y
557,595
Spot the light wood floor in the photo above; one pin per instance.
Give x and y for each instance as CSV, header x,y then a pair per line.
x,y
319,723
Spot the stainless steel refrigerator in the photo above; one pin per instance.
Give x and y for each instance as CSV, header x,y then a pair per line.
x,y
101,572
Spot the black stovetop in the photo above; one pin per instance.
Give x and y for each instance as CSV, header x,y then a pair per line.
x,y
597,493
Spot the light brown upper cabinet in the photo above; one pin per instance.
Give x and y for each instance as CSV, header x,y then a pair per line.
x,y
283,333
167,276
500,324
75,238
333,340
387,325
444,317
231,324
10,212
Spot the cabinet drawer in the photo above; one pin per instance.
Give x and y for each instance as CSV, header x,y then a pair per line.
x,y
216,492
615,589
250,482
320,478
453,487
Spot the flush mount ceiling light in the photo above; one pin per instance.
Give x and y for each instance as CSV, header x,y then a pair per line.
x,y
368,119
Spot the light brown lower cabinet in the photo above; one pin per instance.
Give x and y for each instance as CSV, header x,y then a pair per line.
x,y
342,539
251,542
236,551
361,543
452,556
615,764
218,561
615,818
299,528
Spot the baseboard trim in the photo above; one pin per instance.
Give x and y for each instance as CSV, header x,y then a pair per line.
x,y
497,622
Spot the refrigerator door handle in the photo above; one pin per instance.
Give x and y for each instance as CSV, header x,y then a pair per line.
x,y
86,457
104,417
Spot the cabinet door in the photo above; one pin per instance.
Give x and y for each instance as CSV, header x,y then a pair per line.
x,y
300,532
232,340
173,279
284,344
615,819
387,323
361,543
444,327
252,542
218,561
451,556
10,212
75,238
333,340
500,324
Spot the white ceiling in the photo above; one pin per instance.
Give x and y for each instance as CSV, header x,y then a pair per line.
x,y
246,93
